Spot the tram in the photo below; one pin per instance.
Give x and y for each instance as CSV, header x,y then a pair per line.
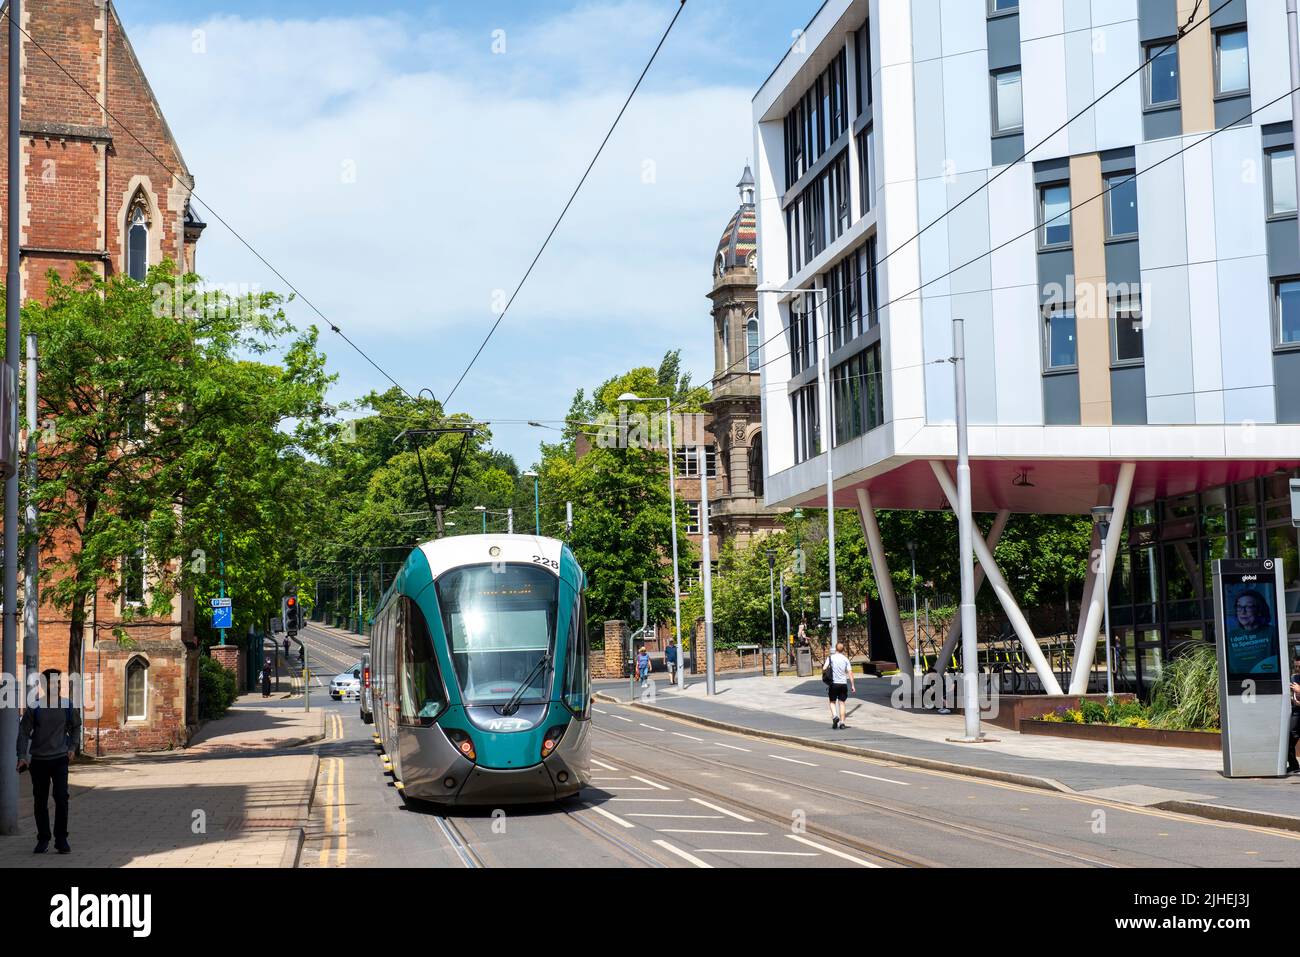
x,y
480,686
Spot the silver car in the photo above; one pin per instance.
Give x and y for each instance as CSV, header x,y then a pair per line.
x,y
346,684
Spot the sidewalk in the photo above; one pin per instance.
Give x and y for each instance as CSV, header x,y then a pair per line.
x,y
1176,779
239,796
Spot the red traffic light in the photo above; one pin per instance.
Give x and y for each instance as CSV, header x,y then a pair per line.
x,y
291,602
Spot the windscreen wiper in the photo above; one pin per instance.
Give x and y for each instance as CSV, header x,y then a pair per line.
x,y
512,705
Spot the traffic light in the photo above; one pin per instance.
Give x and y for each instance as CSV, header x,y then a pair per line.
x,y
785,595
292,613
636,609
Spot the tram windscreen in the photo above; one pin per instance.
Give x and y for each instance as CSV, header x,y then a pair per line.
x,y
500,623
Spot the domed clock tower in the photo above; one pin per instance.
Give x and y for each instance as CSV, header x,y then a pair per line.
x,y
738,513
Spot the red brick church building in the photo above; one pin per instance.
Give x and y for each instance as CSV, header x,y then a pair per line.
x,y
95,193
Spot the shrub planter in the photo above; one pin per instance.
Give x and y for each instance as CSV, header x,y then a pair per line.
x,y
1016,708
1201,740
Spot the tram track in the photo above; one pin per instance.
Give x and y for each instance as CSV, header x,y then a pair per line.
x,y
970,831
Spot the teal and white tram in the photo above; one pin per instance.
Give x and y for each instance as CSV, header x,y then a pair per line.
x,y
480,685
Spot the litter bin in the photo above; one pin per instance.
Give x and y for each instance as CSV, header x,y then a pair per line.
x,y
803,661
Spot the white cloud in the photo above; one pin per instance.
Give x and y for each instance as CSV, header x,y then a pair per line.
x,y
461,162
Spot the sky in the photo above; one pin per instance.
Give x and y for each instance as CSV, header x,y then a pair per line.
x,y
400,164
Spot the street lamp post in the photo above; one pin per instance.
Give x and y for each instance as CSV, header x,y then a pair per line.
x,y
965,536
1101,517
672,506
483,510
537,502
771,598
916,635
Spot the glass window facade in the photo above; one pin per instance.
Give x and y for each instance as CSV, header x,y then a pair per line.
x,y
1121,205
859,395
1054,215
1281,182
1161,75
1008,108
1060,338
1231,62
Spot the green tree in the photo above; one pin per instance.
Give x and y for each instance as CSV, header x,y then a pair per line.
x,y
162,432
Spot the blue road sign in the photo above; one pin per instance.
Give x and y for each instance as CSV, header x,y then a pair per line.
x,y
223,617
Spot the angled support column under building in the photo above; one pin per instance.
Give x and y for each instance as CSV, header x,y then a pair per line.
x,y
1086,648
1089,586
884,583
954,632
1003,591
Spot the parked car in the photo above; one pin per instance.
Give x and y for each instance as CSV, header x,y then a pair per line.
x,y
366,702
347,684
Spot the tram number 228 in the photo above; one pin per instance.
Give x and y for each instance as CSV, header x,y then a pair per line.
x,y
546,562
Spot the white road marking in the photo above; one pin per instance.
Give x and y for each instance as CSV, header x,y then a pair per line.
x,y
711,817
687,830
723,810
831,850
602,764
607,777
683,855
650,800
650,726
620,717
688,737
859,774
653,784
732,850
731,746
793,760
623,787
613,817
599,710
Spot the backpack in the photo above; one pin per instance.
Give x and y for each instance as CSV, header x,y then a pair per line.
x,y
828,669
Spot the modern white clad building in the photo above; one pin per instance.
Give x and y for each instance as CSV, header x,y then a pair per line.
x,y
1129,290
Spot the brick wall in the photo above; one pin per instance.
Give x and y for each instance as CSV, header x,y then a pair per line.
x,y
80,172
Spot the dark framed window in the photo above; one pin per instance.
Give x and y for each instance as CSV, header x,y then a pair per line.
x,y
137,688
1286,312
1121,205
1003,6
692,518
1160,78
819,118
866,169
803,333
1054,216
1231,62
753,350
137,254
807,423
688,461
859,395
133,578
1279,166
1126,330
1008,104
1060,338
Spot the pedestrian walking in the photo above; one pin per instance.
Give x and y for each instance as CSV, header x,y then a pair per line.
x,y
47,742
670,656
643,664
837,673
1292,765
266,682
286,648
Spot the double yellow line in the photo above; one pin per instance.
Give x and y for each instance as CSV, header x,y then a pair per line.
x,y
334,725
335,836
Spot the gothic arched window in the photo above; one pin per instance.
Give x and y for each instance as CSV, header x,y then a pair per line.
x,y
137,236
137,686
756,465
752,343
726,344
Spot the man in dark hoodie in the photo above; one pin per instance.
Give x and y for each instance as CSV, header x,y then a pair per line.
x,y
47,742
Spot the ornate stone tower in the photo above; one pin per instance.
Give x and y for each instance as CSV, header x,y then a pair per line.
x,y
734,404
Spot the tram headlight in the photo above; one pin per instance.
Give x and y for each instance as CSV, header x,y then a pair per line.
x,y
462,742
552,740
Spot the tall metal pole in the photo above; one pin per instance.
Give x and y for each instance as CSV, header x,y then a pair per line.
x,y
31,586
828,442
13,307
537,506
969,649
1105,598
916,635
510,521
568,520
677,588
1291,28
706,569
771,600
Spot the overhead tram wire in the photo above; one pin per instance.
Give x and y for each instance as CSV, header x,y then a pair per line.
x,y
207,206
1029,232
1183,31
546,242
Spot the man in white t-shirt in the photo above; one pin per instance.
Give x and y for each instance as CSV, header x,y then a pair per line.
x,y
840,671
